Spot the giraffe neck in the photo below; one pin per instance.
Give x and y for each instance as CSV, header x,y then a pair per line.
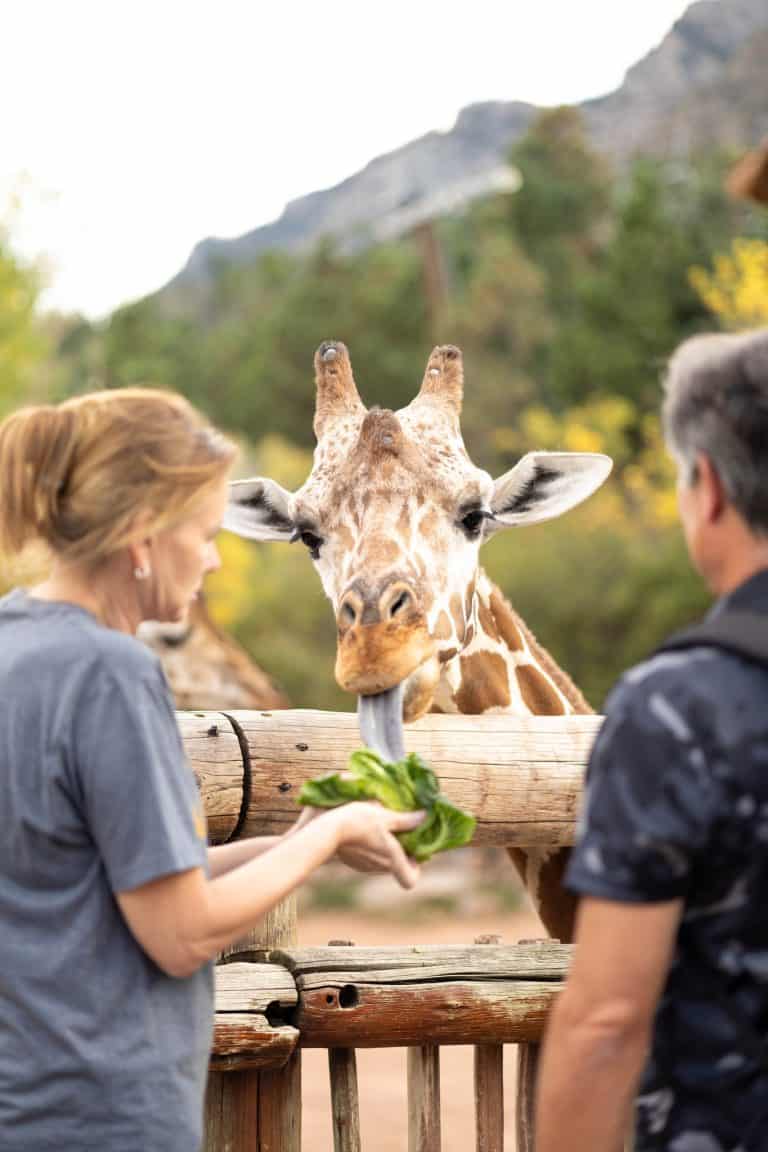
x,y
502,667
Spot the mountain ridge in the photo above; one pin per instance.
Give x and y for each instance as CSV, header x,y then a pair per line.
x,y
679,96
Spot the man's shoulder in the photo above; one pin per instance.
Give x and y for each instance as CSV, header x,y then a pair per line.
x,y
691,673
692,690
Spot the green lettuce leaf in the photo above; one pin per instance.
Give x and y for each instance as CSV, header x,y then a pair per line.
x,y
404,786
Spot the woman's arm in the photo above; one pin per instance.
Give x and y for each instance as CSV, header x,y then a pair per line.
x,y
184,920
224,857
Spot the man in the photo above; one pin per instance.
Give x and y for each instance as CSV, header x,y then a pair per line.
x,y
667,999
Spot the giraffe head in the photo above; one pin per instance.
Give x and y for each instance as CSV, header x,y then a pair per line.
x,y
393,515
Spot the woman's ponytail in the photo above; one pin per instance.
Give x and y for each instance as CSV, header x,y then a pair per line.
x,y
37,449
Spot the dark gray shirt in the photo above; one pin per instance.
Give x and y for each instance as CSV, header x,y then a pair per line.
x,y
99,1049
676,808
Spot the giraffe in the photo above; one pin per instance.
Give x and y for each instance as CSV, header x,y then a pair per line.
x,y
206,668
393,514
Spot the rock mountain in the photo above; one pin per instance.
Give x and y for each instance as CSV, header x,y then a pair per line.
x,y
706,84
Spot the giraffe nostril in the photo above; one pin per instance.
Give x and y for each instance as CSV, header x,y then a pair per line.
x,y
402,601
347,614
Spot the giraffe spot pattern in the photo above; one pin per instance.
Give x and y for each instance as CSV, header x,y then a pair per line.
x,y
505,623
484,683
537,692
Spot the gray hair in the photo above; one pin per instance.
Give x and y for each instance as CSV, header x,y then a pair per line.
x,y
716,403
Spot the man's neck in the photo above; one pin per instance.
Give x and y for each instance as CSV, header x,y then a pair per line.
x,y
739,568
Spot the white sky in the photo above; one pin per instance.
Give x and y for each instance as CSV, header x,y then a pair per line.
x,y
132,130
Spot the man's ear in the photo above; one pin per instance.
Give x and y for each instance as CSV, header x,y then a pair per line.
x,y
545,484
709,486
259,509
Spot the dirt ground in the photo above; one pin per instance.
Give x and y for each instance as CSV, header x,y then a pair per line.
x,y
381,1072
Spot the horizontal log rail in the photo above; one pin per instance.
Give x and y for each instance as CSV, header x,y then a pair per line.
x,y
243,1036
383,997
521,777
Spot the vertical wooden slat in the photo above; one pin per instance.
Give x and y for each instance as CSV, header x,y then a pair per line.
x,y
489,1097
489,1086
527,1068
345,1104
424,1099
257,1111
345,1107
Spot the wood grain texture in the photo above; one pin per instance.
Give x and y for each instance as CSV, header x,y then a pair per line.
x,y
256,1109
521,777
345,1105
492,1012
313,967
248,987
527,1071
280,1107
213,752
489,1097
424,1098
247,1040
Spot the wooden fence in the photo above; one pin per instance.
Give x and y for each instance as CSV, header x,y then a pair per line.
x,y
522,780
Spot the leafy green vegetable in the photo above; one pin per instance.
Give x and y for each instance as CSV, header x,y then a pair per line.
x,y
404,786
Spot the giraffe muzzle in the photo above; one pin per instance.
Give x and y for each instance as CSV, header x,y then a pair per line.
x,y
373,658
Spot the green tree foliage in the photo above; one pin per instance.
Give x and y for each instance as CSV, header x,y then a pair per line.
x,y
249,360
22,342
627,313
567,299
562,209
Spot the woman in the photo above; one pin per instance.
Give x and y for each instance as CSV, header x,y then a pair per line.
x,y
112,907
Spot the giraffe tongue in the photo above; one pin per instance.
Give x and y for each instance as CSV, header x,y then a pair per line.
x,y
380,719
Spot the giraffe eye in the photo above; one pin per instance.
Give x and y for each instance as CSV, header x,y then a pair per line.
x,y
472,522
311,541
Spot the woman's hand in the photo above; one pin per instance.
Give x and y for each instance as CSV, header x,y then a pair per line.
x,y
365,832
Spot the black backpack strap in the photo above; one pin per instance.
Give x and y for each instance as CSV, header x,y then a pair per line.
x,y
745,633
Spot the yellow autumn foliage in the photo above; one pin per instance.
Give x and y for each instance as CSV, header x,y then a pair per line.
x,y
736,289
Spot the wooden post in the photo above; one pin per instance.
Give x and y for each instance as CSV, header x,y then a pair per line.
x,y
345,1105
489,1087
527,1071
258,1111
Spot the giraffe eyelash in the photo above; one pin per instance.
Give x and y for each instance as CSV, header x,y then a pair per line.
x,y
472,519
310,540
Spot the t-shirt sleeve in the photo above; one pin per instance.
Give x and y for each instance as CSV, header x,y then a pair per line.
x,y
138,792
650,802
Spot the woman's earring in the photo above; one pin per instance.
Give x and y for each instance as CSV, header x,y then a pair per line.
x,y
142,572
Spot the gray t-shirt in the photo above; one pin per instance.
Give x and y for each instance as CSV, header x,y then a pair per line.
x,y
99,1049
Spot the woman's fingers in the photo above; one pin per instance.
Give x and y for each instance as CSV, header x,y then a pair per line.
x,y
404,821
405,870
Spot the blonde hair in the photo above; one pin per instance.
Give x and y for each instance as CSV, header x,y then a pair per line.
x,y
76,475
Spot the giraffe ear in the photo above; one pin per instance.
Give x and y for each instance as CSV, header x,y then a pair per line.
x,y
259,509
544,485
